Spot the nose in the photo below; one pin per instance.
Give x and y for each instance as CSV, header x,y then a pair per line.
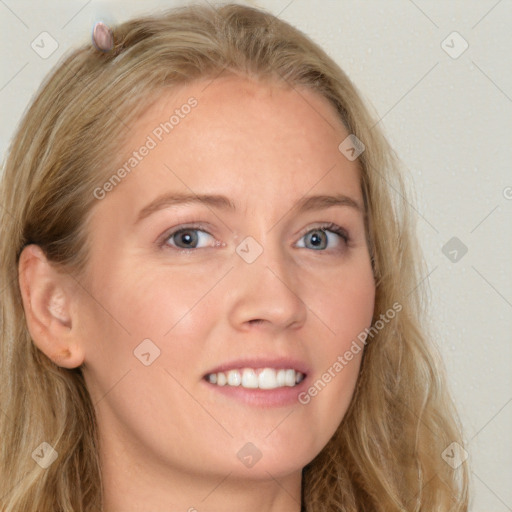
x,y
265,292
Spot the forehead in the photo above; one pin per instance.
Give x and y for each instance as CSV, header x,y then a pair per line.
x,y
238,137
233,101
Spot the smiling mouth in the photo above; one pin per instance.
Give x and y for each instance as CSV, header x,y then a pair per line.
x,y
257,378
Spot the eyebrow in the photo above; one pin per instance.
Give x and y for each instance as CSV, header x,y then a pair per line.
x,y
307,203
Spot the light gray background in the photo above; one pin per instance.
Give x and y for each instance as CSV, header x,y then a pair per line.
x,y
450,121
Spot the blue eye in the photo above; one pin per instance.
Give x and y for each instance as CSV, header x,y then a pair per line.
x,y
319,236
185,239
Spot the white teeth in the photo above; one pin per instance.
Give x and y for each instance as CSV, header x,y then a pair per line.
x,y
249,379
234,378
262,378
267,379
289,378
221,379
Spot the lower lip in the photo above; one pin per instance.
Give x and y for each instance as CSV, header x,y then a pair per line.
x,y
278,397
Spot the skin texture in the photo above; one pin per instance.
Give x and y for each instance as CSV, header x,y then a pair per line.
x,y
168,439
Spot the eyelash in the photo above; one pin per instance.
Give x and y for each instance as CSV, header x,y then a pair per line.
x,y
330,226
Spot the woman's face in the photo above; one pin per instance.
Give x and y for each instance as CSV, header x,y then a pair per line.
x,y
182,296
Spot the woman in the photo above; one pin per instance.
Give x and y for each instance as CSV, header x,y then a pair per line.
x,y
211,285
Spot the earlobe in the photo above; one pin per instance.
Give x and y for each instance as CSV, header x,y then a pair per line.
x,y
48,303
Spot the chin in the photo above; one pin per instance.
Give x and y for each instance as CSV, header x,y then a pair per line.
x,y
261,464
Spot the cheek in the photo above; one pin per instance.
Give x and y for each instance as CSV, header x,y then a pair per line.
x,y
347,310
346,303
145,319
153,303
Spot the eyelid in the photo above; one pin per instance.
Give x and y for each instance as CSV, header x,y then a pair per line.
x,y
327,226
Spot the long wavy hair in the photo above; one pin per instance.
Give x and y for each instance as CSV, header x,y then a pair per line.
x,y
386,454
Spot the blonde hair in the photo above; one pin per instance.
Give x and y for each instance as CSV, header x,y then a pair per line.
x,y
386,453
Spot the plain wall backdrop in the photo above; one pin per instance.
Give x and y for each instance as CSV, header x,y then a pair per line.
x,y
439,76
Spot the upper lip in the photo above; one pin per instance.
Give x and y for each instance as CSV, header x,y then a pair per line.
x,y
261,362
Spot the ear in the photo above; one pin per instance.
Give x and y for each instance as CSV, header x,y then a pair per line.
x,y
49,303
